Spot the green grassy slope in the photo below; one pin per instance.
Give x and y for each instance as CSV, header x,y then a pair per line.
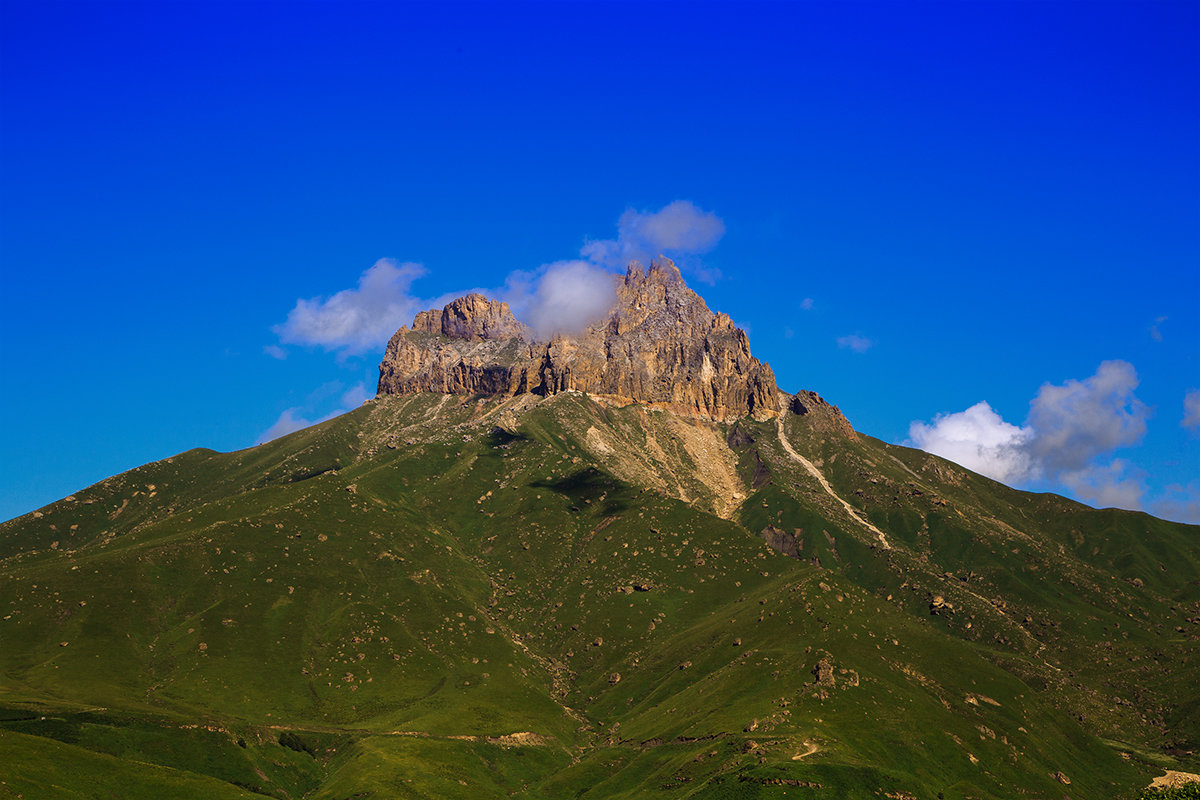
x,y
444,597
1107,601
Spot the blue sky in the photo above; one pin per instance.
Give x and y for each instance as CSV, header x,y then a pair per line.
x,y
923,206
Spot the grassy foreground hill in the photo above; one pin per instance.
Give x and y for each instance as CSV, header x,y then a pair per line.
x,y
455,596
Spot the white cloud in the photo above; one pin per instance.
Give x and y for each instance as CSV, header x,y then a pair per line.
x,y
1179,502
357,320
678,228
1071,430
355,396
979,440
1155,329
1106,485
300,417
806,304
1080,420
559,297
1191,409
567,296
855,342
563,297
289,422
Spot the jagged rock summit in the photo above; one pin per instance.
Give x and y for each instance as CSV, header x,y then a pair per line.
x,y
660,344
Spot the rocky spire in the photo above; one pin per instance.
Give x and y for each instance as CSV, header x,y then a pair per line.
x,y
660,344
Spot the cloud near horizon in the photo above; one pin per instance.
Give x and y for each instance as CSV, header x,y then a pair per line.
x,y
294,419
1070,431
289,422
1178,502
978,439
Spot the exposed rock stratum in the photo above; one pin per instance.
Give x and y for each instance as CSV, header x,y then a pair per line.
x,y
660,344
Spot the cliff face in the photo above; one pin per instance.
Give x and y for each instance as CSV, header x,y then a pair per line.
x,y
474,318
660,344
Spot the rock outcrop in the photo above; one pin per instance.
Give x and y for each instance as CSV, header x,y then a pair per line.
x,y
821,414
660,344
474,318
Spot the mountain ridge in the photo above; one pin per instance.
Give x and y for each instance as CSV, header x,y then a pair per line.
x,y
558,593
658,344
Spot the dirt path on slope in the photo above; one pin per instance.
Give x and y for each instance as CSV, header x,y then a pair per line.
x,y
809,749
816,473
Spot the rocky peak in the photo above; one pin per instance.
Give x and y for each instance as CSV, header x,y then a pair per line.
x,y
660,344
821,414
472,317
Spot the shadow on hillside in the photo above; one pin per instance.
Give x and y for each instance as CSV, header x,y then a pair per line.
x,y
499,437
591,488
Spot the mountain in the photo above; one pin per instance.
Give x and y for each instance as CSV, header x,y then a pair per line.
x,y
621,564
659,345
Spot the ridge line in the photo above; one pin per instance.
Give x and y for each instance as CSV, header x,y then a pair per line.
x,y
816,473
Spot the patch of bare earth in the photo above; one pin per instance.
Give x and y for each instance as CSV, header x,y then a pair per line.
x,y
519,739
1174,779
809,749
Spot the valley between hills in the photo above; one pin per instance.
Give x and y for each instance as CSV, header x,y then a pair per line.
x,y
619,565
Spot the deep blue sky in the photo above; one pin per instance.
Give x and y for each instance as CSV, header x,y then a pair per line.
x,y
996,196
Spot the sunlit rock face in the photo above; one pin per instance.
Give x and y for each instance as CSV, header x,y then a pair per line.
x,y
660,344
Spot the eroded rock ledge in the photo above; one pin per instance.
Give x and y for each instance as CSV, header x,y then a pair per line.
x,y
660,344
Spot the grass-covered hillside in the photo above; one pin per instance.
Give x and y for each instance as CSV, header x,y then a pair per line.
x,y
438,596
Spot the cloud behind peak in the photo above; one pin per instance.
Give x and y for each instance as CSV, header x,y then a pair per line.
x,y
356,320
1071,431
678,228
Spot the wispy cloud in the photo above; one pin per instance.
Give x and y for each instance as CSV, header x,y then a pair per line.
x,y
1071,430
300,417
1116,484
555,297
360,319
1178,502
1156,329
677,229
855,342
289,421
355,396
1191,410
806,304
